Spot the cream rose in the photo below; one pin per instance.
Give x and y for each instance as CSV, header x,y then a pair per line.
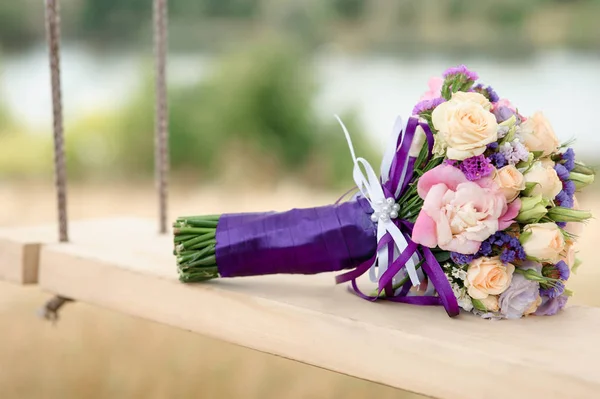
x,y
537,134
488,276
548,184
510,181
544,241
465,125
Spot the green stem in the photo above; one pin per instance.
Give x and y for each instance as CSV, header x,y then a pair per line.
x,y
193,230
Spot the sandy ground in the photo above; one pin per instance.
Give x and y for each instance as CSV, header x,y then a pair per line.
x,y
95,353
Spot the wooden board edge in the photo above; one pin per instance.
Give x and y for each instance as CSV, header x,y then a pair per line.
x,y
19,261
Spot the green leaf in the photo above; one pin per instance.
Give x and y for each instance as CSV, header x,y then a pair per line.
x,y
477,304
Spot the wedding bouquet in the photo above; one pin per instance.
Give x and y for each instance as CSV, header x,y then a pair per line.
x,y
474,208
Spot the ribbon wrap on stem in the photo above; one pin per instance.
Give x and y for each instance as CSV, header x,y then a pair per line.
x,y
396,253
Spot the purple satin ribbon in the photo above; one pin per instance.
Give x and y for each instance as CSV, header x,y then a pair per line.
x,y
299,241
401,173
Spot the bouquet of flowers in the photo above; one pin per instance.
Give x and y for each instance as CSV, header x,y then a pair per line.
x,y
474,208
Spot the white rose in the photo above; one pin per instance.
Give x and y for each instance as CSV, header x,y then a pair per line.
x,y
537,134
510,181
548,184
417,142
545,242
465,125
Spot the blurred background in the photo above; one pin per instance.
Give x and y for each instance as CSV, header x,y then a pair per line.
x,y
253,86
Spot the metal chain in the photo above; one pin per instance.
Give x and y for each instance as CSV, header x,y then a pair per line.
x,y
51,308
161,139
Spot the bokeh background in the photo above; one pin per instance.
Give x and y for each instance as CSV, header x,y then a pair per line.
x,y
253,86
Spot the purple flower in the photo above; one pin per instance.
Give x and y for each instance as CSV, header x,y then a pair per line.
x,y
562,172
485,249
461,259
503,114
559,271
554,290
562,225
460,70
519,297
427,105
488,92
563,270
514,152
569,187
492,146
476,167
497,159
569,159
551,306
563,199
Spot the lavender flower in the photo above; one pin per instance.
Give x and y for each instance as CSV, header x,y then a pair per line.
x,y
514,152
427,105
553,291
492,146
551,306
497,159
476,167
500,243
488,92
460,70
520,296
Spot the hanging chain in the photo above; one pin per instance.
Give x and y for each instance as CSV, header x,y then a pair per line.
x,y
161,154
51,308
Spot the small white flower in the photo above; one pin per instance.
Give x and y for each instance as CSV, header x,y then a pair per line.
x,y
459,274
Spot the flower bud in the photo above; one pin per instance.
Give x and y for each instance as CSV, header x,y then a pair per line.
x,y
532,209
560,214
581,180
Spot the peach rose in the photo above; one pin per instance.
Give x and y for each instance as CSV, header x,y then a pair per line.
x,y
458,214
510,181
465,125
537,134
544,241
488,276
490,303
568,253
548,185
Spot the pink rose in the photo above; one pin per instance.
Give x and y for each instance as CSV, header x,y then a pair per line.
x,y
459,214
435,88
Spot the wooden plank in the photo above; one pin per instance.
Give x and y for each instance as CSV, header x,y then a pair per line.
x,y
20,246
308,319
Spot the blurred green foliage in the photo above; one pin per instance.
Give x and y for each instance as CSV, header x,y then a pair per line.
x,y
394,25
256,111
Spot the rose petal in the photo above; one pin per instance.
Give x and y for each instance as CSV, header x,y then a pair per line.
x,y
424,232
449,175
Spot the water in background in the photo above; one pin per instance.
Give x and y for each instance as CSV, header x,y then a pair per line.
x,y
562,84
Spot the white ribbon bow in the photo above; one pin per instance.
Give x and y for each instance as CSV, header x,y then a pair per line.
x,y
384,209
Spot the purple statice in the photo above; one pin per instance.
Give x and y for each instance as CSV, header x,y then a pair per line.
x,y
485,249
569,187
562,225
508,246
497,159
562,172
476,167
514,152
551,306
559,271
488,92
563,199
492,146
553,291
461,259
452,162
427,105
460,70
568,158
